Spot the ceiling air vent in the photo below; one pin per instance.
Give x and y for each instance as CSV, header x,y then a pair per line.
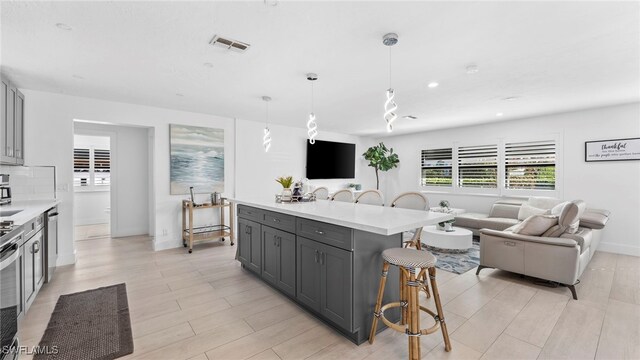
x,y
229,44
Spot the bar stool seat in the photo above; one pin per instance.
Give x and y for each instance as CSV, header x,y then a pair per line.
x,y
410,281
407,257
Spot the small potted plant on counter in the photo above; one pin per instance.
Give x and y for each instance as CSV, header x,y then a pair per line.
x,y
286,182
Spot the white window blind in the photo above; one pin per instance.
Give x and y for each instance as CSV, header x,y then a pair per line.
x,y
530,165
81,167
478,166
437,167
102,167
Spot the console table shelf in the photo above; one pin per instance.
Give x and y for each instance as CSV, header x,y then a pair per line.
x,y
191,234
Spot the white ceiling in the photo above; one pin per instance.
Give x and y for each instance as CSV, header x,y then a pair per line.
x,y
553,56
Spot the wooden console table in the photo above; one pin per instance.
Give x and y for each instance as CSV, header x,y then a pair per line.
x,y
206,232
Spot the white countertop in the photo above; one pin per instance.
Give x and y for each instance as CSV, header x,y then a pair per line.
x,y
29,210
376,219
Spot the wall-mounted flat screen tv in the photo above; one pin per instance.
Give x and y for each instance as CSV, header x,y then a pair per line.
x,y
331,160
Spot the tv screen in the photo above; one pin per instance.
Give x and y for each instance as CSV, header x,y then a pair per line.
x,y
331,160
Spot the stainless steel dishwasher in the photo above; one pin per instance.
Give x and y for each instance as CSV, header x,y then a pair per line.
x,y
51,242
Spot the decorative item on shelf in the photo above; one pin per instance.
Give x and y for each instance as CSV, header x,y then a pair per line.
x,y
266,139
193,199
216,198
390,105
356,187
297,189
381,158
444,205
312,126
286,181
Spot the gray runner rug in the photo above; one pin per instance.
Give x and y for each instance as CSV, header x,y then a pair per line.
x,y
89,325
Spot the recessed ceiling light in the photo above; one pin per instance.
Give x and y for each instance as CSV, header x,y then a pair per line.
x,y
499,114
78,77
62,26
409,117
511,98
207,64
178,94
472,69
433,85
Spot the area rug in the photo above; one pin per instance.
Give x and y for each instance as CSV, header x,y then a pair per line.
x,y
458,263
89,325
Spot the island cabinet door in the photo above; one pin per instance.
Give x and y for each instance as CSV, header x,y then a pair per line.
x,y
308,273
286,263
269,255
336,285
249,244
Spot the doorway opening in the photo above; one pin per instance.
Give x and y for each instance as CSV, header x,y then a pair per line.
x,y
92,186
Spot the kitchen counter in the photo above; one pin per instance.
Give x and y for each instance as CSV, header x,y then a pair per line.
x,y
381,220
29,210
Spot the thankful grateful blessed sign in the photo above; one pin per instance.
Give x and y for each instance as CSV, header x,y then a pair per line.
x,y
612,150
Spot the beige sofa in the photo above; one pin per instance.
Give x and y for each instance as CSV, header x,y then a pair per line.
x,y
559,255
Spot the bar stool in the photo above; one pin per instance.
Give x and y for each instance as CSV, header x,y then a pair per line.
x,y
408,260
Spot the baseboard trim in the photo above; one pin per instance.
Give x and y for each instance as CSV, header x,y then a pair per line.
x,y
66,259
167,244
619,249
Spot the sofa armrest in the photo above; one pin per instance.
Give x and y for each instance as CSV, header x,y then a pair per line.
x,y
536,239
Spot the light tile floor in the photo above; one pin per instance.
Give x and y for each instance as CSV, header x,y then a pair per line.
x,y
91,232
204,306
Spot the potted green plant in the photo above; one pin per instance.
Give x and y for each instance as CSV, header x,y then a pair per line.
x,y
381,158
286,182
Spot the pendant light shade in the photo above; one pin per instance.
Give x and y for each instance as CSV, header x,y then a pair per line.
x,y
266,139
312,126
390,105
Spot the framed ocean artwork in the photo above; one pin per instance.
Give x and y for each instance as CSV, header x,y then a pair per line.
x,y
197,159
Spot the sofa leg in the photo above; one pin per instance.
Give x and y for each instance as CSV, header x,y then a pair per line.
x,y
573,291
480,267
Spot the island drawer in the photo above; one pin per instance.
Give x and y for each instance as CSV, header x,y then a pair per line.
x,y
334,235
280,221
251,213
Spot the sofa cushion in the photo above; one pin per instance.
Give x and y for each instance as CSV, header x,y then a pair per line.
x,y
469,220
505,209
554,231
570,216
527,211
536,225
543,202
496,223
582,236
594,218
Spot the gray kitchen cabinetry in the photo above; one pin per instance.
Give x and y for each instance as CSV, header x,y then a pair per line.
x,y
333,271
279,259
11,124
249,244
325,281
33,257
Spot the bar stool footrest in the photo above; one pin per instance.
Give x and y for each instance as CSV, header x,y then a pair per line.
x,y
403,328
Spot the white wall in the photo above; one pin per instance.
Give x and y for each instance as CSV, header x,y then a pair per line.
x,y
129,178
614,186
256,170
49,141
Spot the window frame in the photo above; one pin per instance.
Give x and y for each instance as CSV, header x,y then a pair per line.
x,y
92,186
500,190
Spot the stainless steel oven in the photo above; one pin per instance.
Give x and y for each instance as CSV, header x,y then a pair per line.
x,y
9,294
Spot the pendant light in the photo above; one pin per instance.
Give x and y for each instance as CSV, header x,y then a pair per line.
x,y
390,105
266,139
312,127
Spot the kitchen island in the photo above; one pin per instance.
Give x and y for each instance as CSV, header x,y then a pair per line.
x,y
325,255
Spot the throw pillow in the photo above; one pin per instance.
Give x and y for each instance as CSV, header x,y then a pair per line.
x,y
536,225
527,210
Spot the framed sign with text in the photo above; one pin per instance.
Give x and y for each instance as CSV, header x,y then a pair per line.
x,y
612,150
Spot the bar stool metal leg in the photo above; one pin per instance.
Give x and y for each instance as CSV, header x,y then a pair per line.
x,y
436,299
376,313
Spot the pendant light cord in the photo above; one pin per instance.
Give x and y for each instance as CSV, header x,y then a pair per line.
x,y
390,67
267,119
312,97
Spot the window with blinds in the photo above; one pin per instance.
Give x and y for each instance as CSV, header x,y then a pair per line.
x,y
478,166
530,165
81,167
101,167
437,167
